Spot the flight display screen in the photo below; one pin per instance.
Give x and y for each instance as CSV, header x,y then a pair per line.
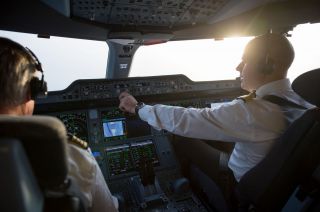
x,y
126,158
118,126
75,123
114,127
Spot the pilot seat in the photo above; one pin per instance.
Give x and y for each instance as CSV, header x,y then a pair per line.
x,y
34,168
288,178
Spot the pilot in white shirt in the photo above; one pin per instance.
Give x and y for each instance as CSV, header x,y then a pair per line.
x,y
18,67
254,124
85,171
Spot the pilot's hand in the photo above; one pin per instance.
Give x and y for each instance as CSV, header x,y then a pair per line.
x,y
127,102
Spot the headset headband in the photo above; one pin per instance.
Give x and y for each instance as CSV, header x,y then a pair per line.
x,y
38,86
35,59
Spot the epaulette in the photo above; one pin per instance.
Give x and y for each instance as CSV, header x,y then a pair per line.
x,y
248,97
77,141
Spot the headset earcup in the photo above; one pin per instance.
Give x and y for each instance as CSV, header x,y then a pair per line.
x,y
35,83
38,88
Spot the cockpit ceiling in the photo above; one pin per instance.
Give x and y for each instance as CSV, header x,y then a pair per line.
x,y
194,19
157,13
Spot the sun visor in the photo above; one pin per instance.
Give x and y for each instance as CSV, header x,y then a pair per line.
x,y
126,38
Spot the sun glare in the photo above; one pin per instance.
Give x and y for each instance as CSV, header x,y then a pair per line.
x,y
203,60
200,60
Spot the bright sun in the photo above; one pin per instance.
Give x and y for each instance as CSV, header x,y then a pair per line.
x,y
199,60
204,60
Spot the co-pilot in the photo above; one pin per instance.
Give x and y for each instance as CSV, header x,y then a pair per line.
x,y
252,122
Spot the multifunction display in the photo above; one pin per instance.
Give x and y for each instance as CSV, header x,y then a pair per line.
x,y
76,123
118,125
126,158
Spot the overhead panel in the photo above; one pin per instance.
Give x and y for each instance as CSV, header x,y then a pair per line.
x,y
144,13
92,10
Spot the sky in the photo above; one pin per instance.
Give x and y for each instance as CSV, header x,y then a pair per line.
x,y
216,60
65,60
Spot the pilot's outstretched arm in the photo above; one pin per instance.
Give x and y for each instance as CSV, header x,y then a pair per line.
x,y
253,123
235,121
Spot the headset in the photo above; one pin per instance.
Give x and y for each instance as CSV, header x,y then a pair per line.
x,y
38,87
267,64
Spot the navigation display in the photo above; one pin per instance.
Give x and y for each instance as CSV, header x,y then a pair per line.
x,y
117,126
75,123
114,127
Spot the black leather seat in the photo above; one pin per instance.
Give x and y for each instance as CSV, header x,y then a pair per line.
x,y
33,163
288,173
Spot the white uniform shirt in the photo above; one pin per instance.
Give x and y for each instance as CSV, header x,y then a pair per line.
x,y
83,169
254,125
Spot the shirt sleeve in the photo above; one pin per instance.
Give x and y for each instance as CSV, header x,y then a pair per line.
x,y
235,121
102,197
83,168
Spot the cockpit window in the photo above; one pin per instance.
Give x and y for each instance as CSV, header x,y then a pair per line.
x,y
200,60
65,60
203,60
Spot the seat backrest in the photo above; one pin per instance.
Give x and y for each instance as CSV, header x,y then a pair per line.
x,y
17,179
307,85
44,140
291,161
34,168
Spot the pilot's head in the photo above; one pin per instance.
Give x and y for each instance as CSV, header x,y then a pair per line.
x,y
266,58
17,69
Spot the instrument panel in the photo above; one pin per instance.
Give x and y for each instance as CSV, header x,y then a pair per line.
x,y
75,122
124,145
118,140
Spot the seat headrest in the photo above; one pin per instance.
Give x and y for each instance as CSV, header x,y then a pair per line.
x,y
45,140
307,86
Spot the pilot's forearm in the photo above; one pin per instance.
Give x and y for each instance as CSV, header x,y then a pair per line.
x,y
189,122
228,123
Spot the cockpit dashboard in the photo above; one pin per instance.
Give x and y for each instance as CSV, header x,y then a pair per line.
x,y
120,141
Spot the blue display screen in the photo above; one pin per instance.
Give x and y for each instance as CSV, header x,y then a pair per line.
x,y
118,126
113,128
